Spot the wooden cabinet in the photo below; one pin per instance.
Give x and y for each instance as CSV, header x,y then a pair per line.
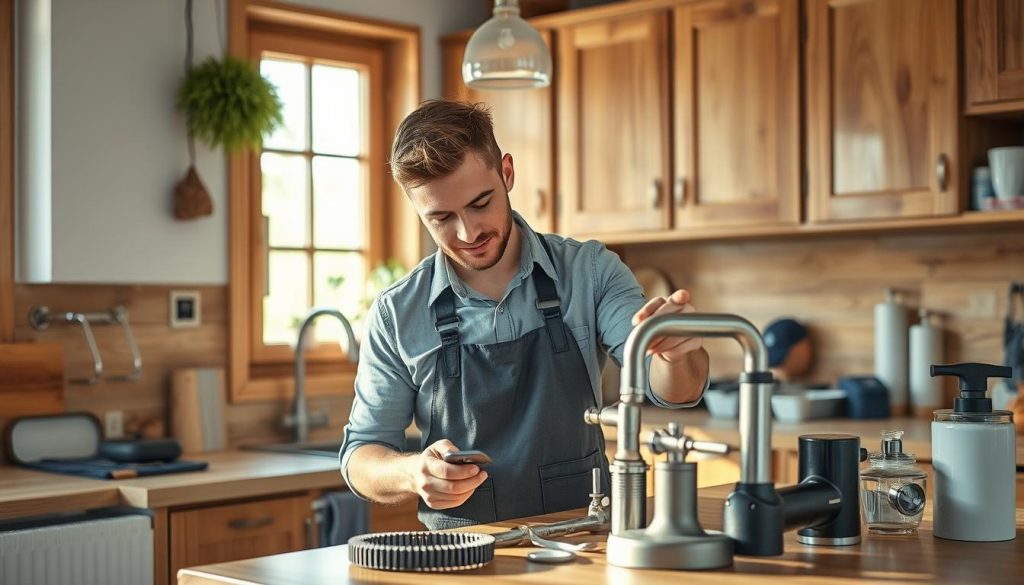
x,y
394,518
613,124
994,55
239,531
737,113
523,127
882,112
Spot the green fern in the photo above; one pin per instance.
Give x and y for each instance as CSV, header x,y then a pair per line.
x,y
228,102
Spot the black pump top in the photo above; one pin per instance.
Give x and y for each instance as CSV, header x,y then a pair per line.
x,y
973,383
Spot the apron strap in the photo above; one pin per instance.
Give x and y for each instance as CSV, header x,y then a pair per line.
x,y
447,325
548,303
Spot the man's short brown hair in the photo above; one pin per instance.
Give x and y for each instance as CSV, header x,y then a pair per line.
x,y
432,141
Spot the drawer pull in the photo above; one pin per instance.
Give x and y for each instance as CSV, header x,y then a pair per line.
x,y
250,523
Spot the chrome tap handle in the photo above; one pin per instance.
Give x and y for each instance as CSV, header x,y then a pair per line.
x,y
607,416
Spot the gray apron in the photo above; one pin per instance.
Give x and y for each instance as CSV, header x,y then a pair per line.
x,y
522,403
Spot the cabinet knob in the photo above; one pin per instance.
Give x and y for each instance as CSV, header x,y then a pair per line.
x,y
539,203
680,191
654,193
942,171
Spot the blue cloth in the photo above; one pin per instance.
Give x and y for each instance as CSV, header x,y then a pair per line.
x,y
100,468
398,355
345,516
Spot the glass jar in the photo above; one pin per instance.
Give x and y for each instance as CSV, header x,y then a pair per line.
x,y
892,489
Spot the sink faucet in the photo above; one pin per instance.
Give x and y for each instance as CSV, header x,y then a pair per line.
x,y
825,503
300,418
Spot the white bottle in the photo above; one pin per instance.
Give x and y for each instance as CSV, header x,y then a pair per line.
x,y
891,351
973,455
925,349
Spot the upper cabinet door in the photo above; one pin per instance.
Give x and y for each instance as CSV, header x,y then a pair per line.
x,y
882,108
737,124
523,127
994,45
613,124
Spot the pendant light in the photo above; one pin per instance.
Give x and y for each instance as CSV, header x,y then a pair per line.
x,y
506,53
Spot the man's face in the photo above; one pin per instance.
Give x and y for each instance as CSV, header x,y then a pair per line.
x,y
467,213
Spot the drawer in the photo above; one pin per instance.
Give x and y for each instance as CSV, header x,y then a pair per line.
x,y
232,532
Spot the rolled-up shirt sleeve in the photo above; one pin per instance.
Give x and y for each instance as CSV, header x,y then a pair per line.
x,y
385,394
618,297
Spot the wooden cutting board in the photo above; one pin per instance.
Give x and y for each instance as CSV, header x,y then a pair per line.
x,y
31,379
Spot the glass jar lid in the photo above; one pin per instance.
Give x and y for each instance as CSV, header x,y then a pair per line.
x,y
892,451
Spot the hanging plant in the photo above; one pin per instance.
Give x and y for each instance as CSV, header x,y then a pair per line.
x,y
228,103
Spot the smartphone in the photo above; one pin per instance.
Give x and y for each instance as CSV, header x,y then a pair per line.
x,y
467,456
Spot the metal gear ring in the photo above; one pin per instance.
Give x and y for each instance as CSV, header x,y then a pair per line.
x,y
421,551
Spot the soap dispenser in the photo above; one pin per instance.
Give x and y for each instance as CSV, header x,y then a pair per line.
x,y
893,489
973,454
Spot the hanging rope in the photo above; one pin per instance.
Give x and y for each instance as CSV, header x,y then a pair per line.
x,y
188,68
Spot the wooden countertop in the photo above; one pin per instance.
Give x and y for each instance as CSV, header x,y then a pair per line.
x,y
917,438
231,475
917,559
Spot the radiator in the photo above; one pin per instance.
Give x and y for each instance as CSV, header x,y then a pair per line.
x,y
85,551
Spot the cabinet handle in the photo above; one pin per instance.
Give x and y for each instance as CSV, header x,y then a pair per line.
x,y
680,191
250,523
942,171
655,193
539,201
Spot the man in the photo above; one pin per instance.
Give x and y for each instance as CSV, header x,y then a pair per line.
x,y
494,343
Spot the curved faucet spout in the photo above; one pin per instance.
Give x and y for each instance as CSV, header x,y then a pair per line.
x,y
300,417
755,395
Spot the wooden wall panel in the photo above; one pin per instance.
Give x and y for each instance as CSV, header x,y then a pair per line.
x,y
163,349
832,284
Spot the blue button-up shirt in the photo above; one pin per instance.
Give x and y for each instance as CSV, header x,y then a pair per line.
x,y
398,355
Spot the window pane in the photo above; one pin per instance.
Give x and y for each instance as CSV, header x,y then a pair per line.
x,y
285,200
339,280
289,77
337,111
288,301
337,203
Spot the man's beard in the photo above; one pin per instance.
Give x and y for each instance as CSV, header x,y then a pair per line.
x,y
502,244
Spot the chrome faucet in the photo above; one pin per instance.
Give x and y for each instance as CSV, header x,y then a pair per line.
x,y
824,505
300,418
629,501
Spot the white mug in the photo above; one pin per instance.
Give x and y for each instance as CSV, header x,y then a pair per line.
x,y
1007,167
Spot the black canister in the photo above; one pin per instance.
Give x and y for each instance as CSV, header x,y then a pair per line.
x,y
833,459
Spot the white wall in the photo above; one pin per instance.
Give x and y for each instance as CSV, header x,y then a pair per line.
x,y
119,146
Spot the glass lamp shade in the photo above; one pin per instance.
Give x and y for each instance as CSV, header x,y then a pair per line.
x,y
506,53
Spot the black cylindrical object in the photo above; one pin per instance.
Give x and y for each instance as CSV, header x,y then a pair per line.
x,y
833,459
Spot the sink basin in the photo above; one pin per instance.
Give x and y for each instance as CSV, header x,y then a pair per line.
x,y
321,448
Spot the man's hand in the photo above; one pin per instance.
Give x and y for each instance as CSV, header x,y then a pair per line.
x,y
443,485
670,349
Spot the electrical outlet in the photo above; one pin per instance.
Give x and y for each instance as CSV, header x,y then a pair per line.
x,y
113,423
981,304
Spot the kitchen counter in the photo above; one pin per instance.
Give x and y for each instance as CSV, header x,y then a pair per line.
x,y
231,475
921,558
699,424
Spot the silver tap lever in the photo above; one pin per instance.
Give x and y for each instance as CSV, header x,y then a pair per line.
x,y
671,441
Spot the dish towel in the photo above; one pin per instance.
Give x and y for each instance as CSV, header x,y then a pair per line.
x,y
345,516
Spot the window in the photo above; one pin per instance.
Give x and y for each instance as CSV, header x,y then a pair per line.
x,y
316,193
314,211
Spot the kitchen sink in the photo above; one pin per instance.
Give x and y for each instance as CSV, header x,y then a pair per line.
x,y
320,448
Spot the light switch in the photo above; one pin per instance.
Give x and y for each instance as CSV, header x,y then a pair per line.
x,y
185,307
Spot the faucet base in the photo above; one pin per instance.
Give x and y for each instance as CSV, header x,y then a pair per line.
x,y
824,541
636,549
